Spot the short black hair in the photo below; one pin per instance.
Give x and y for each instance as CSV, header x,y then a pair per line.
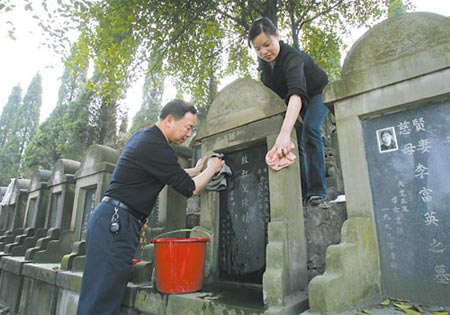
x,y
261,25
177,108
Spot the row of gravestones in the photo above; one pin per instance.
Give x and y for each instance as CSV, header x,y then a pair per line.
x,y
42,231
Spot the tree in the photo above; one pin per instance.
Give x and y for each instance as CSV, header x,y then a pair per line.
x,y
42,152
23,118
28,114
396,7
76,123
9,114
49,142
5,7
153,91
199,42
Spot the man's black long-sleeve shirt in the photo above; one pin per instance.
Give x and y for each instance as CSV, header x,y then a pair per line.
x,y
146,165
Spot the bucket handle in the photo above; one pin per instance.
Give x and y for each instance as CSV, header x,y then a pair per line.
x,y
194,229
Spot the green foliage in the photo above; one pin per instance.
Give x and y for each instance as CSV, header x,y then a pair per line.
x,y
72,128
199,42
396,7
7,24
153,90
324,48
49,143
42,152
18,125
9,113
28,113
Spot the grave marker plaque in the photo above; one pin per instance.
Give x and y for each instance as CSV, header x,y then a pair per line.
x,y
244,215
55,210
410,184
89,206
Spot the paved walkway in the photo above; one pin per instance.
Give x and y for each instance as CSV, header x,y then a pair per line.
x,y
394,307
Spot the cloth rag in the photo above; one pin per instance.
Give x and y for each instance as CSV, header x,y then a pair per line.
x,y
277,163
219,181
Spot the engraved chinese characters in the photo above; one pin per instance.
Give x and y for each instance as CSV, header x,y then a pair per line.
x,y
411,197
244,215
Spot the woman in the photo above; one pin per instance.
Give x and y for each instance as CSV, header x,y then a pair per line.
x,y
387,140
296,78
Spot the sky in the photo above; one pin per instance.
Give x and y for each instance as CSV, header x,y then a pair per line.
x,y
22,58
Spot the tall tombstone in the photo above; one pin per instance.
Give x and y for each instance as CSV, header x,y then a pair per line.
x,y
92,179
60,206
34,215
395,242
258,236
62,193
37,199
43,278
59,185
3,211
15,202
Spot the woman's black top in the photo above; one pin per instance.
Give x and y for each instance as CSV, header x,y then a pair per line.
x,y
294,72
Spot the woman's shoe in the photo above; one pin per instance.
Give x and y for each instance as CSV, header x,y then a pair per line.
x,y
316,200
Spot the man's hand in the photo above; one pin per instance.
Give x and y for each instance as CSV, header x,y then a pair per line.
x,y
200,164
194,171
215,164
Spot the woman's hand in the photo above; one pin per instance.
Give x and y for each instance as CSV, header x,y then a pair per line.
x,y
283,144
277,162
283,141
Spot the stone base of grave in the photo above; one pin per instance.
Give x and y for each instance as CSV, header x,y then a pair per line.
x,y
214,300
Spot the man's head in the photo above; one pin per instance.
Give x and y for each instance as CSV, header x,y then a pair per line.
x,y
177,120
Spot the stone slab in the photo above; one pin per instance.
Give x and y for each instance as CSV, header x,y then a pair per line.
x,y
43,272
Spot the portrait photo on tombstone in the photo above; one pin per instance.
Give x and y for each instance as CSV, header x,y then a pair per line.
x,y
387,140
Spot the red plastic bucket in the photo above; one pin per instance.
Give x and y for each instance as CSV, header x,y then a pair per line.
x,y
179,264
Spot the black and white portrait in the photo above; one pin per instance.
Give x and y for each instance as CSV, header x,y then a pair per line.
x,y
387,140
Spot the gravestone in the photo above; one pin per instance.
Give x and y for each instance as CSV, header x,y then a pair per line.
x,y
34,216
260,211
411,200
42,281
395,87
42,185
3,211
3,214
62,192
14,203
243,217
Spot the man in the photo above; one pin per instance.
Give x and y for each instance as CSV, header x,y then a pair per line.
x,y
145,166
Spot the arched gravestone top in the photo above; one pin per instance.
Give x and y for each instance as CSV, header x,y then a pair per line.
x,y
98,158
63,171
38,178
239,103
397,49
15,187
